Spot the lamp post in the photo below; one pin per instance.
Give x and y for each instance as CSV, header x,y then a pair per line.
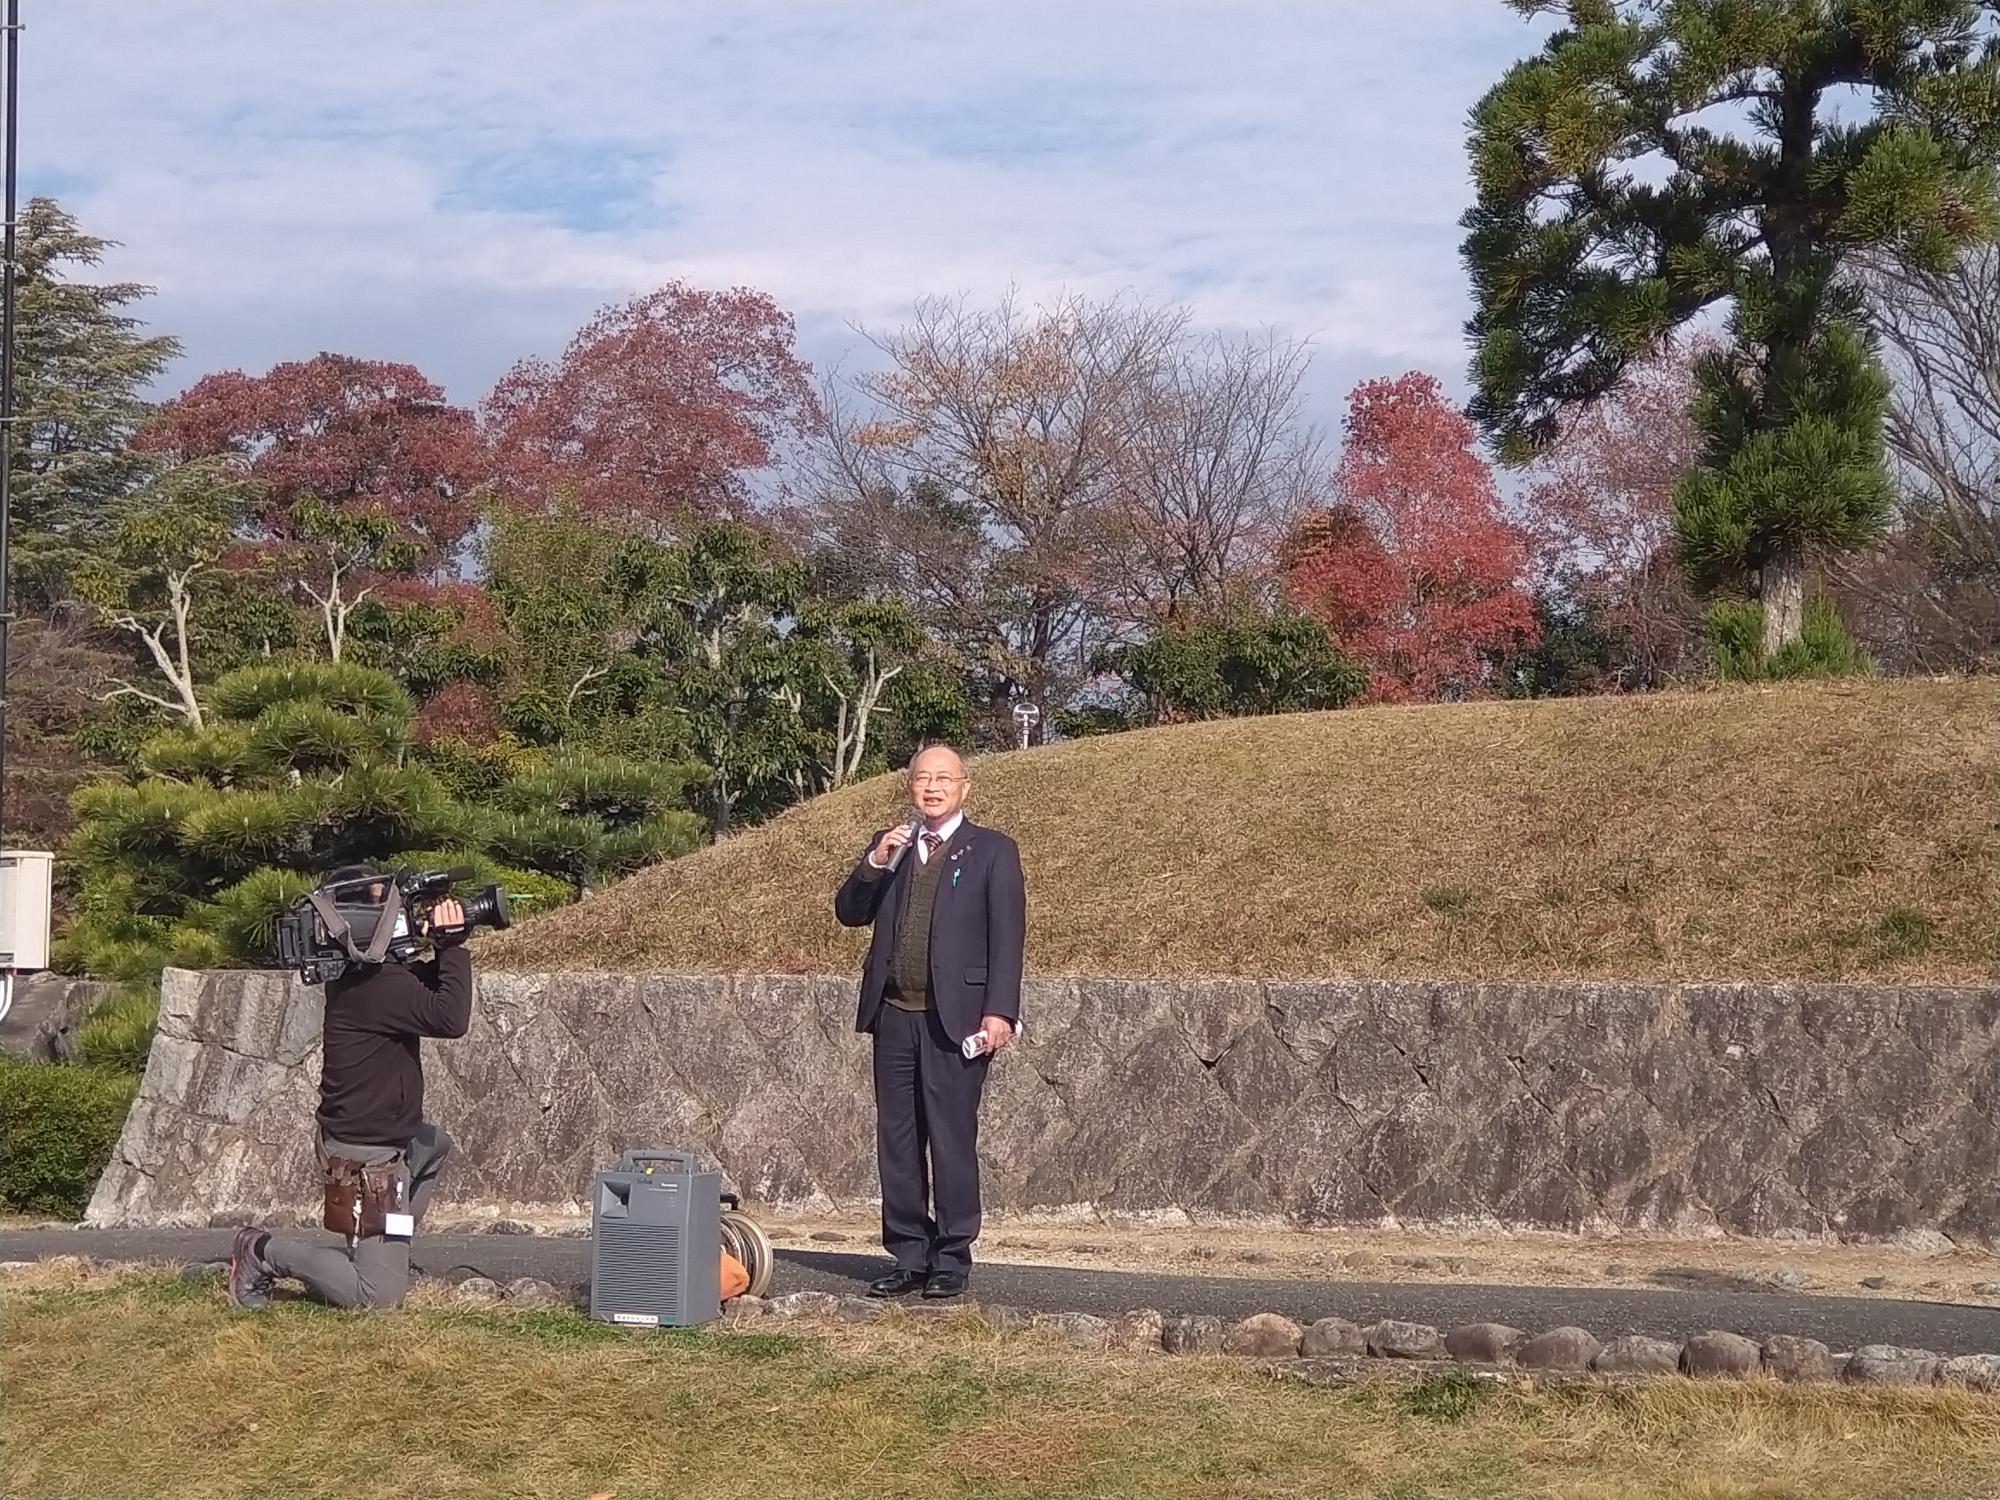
x,y
1026,716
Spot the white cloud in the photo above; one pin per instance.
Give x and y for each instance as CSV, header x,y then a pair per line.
x,y
459,184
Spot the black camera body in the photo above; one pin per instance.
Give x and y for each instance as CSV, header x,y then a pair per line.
x,y
342,921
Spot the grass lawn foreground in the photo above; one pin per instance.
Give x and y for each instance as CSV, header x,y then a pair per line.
x,y
135,1383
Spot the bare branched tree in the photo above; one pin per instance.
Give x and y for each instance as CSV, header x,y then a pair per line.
x,y
1037,482
988,450
1219,463
1928,600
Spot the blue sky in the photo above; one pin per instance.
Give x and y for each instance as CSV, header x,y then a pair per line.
x,y
461,182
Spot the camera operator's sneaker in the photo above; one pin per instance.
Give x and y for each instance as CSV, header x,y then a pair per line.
x,y
249,1278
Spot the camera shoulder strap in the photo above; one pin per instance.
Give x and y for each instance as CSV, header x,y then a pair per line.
x,y
338,930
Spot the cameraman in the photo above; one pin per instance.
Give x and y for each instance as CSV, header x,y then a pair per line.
x,y
371,1124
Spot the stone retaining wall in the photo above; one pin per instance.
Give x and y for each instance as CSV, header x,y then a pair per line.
x,y
1755,1110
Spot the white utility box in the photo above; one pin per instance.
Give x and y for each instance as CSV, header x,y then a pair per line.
x,y
26,877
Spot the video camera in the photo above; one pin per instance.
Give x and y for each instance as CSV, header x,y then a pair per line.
x,y
369,916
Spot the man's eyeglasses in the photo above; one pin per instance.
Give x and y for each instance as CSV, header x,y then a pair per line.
x,y
938,778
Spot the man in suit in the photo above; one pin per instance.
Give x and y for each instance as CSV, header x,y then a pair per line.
x,y
950,914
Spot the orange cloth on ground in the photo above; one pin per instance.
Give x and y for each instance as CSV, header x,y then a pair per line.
x,y
735,1280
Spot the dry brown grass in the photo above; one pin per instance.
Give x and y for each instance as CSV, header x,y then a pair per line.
x,y
154,1388
1814,831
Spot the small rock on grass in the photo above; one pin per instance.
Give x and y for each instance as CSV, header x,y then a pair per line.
x,y
1635,1354
1559,1349
1333,1338
862,1309
1192,1333
1718,1352
532,1291
1972,1372
1890,1364
1264,1335
1138,1331
476,1289
1003,1318
1394,1339
805,1305
1799,1360
204,1270
1483,1343
1085,1330
745,1309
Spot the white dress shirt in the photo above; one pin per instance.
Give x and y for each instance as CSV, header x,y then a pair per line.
x,y
923,854
944,836
923,857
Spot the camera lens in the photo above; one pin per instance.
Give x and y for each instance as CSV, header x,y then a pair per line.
x,y
488,908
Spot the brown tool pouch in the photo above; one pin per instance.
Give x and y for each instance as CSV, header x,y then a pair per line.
x,y
360,1195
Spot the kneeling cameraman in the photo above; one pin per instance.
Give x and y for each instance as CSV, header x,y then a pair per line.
x,y
380,1157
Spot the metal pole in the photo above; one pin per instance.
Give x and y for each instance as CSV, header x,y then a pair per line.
x,y
7,390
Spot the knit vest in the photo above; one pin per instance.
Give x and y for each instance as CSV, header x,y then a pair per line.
x,y
910,965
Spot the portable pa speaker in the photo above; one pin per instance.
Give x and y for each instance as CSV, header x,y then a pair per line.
x,y
655,1242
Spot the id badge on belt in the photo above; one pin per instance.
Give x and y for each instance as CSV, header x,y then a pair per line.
x,y
398,1223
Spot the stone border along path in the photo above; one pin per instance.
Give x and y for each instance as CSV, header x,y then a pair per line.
x,y
1333,1351
1671,1315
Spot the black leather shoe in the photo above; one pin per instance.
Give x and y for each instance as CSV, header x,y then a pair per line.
x,y
898,1283
945,1284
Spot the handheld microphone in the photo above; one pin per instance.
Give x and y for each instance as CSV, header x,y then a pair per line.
x,y
916,825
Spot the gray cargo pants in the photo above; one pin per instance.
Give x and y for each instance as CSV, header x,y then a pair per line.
x,y
376,1271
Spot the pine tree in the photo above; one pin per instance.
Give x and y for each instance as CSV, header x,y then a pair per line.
x,y
82,364
1664,157
191,857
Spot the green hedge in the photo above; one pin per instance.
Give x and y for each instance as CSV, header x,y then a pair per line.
x,y
59,1124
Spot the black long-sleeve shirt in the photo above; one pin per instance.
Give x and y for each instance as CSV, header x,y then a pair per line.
x,y
371,1090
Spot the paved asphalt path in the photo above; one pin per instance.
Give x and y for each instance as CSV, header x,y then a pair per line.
x,y
1842,1322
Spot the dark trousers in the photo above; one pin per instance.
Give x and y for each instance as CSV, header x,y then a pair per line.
x,y
926,1105
374,1272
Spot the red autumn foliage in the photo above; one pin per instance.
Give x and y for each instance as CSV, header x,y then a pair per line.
x,y
1414,568
359,434
1600,515
477,622
661,409
464,711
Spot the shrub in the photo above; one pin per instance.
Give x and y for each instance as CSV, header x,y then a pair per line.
x,y
58,1127
1824,647
1736,639
119,1033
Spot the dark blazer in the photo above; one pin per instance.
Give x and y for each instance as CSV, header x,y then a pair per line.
x,y
979,927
